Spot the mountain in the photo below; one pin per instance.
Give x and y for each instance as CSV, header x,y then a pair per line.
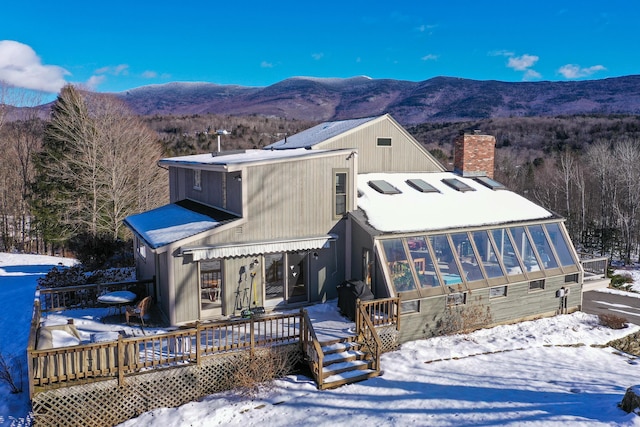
x,y
435,100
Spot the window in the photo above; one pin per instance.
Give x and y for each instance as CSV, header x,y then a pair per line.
x,y
543,247
340,191
490,183
487,254
536,285
398,265
466,256
571,278
506,251
197,179
456,184
525,249
384,142
422,186
410,306
457,298
142,249
562,247
383,187
498,291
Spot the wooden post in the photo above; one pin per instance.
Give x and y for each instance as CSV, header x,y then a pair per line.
x,y
252,331
398,302
198,334
120,364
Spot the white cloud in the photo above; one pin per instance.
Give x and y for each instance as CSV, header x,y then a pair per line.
x,y
21,67
265,64
95,80
502,52
430,57
317,56
149,74
531,75
522,63
573,71
122,69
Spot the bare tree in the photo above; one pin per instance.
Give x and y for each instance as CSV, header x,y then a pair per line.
x,y
99,160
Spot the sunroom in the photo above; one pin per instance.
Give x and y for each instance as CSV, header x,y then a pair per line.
x,y
440,240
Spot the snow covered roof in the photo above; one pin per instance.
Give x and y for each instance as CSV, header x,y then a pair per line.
x,y
171,223
318,134
238,158
414,210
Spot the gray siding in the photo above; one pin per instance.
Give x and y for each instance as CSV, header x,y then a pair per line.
x,y
519,304
186,290
404,155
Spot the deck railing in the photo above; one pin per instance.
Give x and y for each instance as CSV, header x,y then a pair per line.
x,y
94,361
594,268
80,296
381,312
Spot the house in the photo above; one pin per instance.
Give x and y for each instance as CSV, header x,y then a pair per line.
x,y
360,199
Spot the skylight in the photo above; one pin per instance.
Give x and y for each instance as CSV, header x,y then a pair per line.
x,y
382,186
422,186
456,184
491,183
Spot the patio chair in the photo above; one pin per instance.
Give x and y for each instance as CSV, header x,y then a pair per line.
x,y
139,310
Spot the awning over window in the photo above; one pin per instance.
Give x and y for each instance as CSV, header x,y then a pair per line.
x,y
257,248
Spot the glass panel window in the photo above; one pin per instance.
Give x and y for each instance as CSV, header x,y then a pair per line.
x,y
412,306
462,246
274,277
562,247
571,278
384,142
536,285
197,179
446,260
457,298
542,246
421,258
498,291
506,251
398,265
525,248
487,254
340,193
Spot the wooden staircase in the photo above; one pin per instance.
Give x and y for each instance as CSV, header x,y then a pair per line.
x,y
344,363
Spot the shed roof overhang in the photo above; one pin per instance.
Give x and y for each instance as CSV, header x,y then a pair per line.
x,y
257,248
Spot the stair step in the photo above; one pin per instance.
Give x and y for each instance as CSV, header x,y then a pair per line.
x,y
339,347
348,378
341,367
344,356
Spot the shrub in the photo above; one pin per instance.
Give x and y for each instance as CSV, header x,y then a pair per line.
x,y
253,372
612,321
9,370
622,281
461,319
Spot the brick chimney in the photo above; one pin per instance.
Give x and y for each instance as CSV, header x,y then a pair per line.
x,y
473,154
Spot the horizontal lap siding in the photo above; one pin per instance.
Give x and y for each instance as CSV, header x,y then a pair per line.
x,y
519,304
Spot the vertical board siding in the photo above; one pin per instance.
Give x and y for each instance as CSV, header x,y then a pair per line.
x,y
404,155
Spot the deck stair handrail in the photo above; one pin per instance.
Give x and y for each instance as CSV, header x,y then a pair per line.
x,y
367,335
311,348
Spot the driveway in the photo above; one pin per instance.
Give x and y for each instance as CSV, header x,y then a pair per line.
x,y
594,302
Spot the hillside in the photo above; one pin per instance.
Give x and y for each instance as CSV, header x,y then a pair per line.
x,y
435,100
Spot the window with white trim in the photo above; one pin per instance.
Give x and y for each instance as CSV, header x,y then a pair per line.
x,y
197,179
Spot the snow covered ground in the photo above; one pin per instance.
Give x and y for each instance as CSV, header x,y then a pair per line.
x,y
539,373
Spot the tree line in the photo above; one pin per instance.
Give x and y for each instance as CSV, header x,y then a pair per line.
x,y
70,179
584,168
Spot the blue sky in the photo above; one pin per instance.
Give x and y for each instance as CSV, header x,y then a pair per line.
x,y
117,45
